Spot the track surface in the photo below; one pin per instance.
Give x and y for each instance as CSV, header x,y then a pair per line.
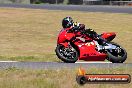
x,y
110,9
55,65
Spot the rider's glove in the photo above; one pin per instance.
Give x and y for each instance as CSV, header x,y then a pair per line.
x,y
91,33
81,26
78,27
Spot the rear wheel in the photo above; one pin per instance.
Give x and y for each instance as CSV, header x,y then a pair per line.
x,y
66,54
117,55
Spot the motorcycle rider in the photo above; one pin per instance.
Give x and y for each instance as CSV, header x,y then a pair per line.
x,y
70,49
68,22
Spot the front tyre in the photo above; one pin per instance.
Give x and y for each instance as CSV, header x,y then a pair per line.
x,y
117,55
68,55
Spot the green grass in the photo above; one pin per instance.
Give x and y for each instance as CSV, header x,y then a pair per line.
x,y
66,78
31,34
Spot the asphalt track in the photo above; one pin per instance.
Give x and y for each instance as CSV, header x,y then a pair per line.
x,y
56,65
88,8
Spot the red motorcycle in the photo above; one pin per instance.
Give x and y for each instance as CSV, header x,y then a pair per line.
x,y
73,45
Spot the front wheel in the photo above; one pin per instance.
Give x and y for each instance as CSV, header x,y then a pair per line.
x,y
117,55
66,54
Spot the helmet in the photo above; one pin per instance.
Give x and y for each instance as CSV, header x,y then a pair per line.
x,y
67,22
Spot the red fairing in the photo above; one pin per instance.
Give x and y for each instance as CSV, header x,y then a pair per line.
x,y
88,52
109,36
63,36
86,49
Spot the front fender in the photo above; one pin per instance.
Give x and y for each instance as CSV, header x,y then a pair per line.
x,y
64,44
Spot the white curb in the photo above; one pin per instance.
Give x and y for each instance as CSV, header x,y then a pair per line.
x,y
94,62
8,61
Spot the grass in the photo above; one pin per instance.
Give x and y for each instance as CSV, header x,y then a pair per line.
x,y
66,78
31,34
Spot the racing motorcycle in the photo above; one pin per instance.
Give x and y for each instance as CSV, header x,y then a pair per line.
x,y
73,45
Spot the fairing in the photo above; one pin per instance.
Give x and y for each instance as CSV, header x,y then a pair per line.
x,y
87,50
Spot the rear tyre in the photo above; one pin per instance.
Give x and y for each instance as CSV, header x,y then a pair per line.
x,y
118,55
68,55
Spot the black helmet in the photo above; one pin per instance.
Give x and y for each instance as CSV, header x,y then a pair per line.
x,y
67,22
